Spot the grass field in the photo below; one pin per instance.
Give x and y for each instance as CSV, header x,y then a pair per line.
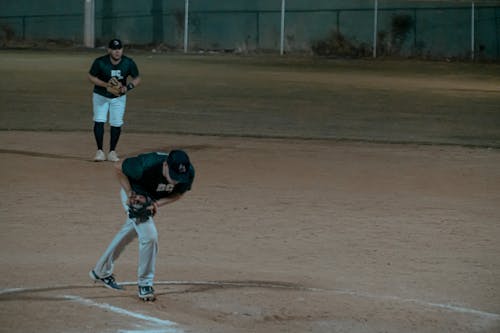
x,y
265,96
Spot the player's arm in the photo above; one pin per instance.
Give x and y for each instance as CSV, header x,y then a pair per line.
x,y
98,82
123,178
179,191
135,78
168,200
134,82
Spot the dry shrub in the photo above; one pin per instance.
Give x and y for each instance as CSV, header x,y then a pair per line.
x,y
337,45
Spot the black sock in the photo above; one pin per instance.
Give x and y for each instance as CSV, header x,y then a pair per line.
x,y
115,135
99,134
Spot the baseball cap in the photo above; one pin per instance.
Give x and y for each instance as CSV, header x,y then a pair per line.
x,y
179,166
115,44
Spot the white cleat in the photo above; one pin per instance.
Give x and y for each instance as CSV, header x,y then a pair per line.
x,y
99,156
113,157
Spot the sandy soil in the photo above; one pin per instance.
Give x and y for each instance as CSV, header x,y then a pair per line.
x,y
276,236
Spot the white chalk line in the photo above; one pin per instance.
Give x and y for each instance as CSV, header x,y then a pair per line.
x,y
167,326
163,323
263,284
144,331
449,307
12,290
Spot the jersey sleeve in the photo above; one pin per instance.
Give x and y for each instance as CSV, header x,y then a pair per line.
x,y
94,69
132,168
134,70
135,167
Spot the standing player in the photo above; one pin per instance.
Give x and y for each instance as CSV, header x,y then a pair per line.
x,y
162,177
109,75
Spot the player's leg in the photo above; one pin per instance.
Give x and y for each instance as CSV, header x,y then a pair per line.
x,y
104,267
148,251
115,136
116,113
99,134
100,106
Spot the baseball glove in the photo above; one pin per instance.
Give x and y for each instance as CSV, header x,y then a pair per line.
x,y
141,208
114,86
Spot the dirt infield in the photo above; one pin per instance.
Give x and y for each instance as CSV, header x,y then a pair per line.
x,y
276,236
331,196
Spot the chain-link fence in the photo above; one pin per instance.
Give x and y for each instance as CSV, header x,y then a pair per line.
x,y
430,29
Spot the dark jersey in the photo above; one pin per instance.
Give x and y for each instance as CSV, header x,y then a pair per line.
x,y
104,70
145,174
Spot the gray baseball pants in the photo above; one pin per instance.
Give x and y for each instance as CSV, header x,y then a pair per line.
x,y
148,248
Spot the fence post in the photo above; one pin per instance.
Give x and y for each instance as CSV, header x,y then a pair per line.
x,y
473,27
89,24
282,37
375,27
186,25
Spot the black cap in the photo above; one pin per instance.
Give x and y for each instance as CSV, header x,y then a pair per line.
x,y
115,44
179,166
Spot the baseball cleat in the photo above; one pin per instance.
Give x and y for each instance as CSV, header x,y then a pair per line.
x,y
99,156
146,293
113,157
109,282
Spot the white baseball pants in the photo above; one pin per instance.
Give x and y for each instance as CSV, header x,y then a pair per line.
x,y
115,106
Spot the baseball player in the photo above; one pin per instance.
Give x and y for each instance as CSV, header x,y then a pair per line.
x,y
109,75
164,178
